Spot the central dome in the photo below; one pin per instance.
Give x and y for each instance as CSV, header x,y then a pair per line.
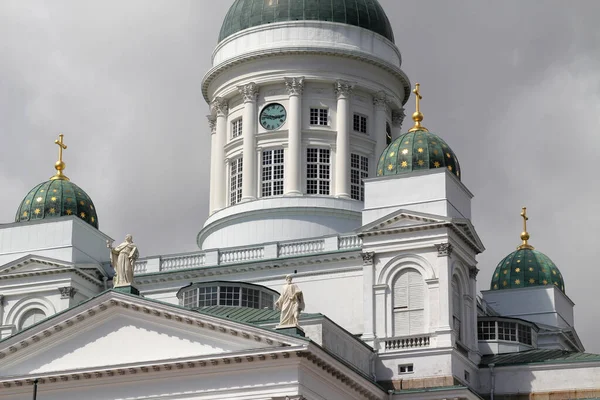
x,y
367,14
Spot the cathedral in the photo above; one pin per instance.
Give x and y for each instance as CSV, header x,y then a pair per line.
x,y
338,260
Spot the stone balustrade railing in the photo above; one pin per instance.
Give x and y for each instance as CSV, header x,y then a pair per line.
x,y
246,254
407,342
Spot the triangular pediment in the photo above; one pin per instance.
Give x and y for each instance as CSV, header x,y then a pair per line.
x,y
117,329
404,219
37,265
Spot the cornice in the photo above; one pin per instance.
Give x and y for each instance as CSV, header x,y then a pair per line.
x,y
58,268
303,51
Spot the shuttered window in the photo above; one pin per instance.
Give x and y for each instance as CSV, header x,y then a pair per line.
x,y
409,303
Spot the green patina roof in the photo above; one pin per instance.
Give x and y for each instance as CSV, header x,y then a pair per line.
x,y
526,268
538,356
366,14
247,315
417,151
57,198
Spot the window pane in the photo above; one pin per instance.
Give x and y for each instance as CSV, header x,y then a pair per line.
x,y
235,190
317,171
272,173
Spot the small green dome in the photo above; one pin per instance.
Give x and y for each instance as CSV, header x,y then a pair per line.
x,y
57,198
367,14
525,268
416,151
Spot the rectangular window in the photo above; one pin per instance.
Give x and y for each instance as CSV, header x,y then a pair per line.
x,y
525,334
272,173
317,171
266,300
359,170
360,123
229,296
319,116
507,331
190,298
207,296
250,298
405,369
236,128
235,194
486,330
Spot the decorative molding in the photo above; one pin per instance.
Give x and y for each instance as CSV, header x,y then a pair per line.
x,y
67,292
473,271
1,301
368,257
220,107
398,118
249,92
212,123
295,86
380,101
343,89
444,249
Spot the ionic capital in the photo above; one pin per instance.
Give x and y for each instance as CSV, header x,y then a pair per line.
x,y
343,89
380,101
294,86
249,92
444,249
67,292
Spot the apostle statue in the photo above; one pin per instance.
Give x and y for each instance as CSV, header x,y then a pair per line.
x,y
123,259
291,302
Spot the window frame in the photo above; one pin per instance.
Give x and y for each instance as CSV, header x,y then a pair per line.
x,y
236,166
357,175
319,119
237,126
321,168
409,309
361,122
275,168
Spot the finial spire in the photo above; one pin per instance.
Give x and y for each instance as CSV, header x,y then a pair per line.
x,y
525,234
60,165
418,115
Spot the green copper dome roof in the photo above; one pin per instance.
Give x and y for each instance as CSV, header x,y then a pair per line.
x,y
57,198
526,267
416,151
366,14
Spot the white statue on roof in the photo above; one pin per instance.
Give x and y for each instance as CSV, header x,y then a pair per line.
x,y
123,258
291,303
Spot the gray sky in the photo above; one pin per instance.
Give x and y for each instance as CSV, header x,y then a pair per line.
x,y
512,86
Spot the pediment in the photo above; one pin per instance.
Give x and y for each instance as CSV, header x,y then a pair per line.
x,y
117,329
37,265
404,219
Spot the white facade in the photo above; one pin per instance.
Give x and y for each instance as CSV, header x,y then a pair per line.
x,y
387,265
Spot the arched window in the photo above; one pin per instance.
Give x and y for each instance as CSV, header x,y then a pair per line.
x,y
409,303
31,317
456,309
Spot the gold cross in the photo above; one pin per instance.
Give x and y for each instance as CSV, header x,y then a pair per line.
x,y
525,218
418,115
61,146
525,235
60,165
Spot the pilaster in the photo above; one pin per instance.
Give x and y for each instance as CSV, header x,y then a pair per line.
x,y
369,298
343,91
293,160
212,124
445,292
221,109
380,110
249,94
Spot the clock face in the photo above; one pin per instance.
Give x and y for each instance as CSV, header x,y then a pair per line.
x,y
273,116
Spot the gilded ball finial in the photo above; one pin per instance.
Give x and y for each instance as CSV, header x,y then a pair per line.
x,y
524,235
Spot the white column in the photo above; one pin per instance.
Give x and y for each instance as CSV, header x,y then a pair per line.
x,y
445,292
249,93
293,160
219,185
212,123
369,311
397,120
380,118
343,91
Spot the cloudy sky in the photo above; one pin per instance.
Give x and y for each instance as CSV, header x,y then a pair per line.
x,y
513,86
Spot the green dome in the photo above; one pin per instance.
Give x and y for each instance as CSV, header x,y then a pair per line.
x,y
57,198
525,268
417,151
367,14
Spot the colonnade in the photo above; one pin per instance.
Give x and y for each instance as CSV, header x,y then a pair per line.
x,y
218,123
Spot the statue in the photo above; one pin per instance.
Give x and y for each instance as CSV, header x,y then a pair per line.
x,y
123,259
291,302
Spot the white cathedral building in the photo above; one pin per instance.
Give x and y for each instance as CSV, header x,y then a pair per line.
x,y
311,175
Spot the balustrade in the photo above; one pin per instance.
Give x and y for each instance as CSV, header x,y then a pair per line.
x,y
407,342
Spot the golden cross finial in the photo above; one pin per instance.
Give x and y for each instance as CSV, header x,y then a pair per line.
x,y
418,115
60,165
524,234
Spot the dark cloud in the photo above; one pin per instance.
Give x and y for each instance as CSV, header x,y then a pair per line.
x,y
511,85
